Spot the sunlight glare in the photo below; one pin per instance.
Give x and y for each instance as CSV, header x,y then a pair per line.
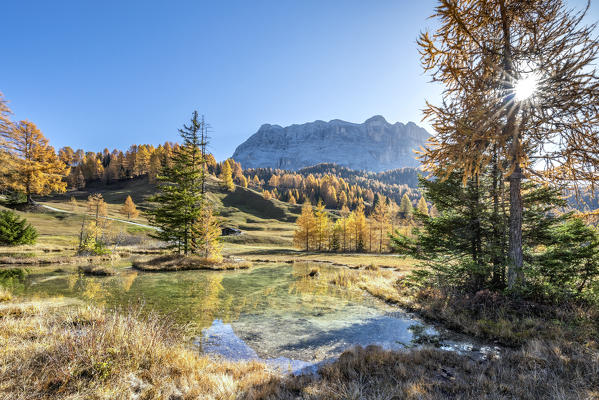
x,y
526,87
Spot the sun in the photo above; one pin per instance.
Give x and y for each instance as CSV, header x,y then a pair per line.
x,y
526,87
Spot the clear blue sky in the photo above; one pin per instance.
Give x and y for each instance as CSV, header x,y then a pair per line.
x,y
109,74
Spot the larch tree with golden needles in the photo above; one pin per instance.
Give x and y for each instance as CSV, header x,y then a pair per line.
x,y
226,176
323,226
422,207
358,228
380,215
34,167
405,207
306,227
90,237
5,128
208,233
344,213
4,112
521,92
129,208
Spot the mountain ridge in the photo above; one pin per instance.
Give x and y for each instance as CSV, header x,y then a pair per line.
x,y
374,145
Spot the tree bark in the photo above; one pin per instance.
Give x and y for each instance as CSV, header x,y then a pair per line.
x,y
515,273
511,131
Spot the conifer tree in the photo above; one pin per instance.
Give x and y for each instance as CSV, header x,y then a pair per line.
x,y
336,235
227,177
393,210
207,231
405,207
344,215
96,206
5,123
34,166
129,208
306,226
381,219
14,230
92,232
322,231
155,166
80,181
422,207
178,203
358,228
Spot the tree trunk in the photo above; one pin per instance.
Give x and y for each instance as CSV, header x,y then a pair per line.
x,y
511,131
498,260
515,273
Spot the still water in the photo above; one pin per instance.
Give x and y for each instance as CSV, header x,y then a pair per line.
x,y
270,312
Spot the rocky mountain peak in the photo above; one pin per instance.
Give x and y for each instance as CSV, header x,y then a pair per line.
x,y
375,145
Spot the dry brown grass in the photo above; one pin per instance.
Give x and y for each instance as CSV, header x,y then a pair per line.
x,y
36,260
51,352
5,295
176,262
485,315
540,370
378,282
85,353
508,321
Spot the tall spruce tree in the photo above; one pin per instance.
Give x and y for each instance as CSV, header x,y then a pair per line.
x,y
178,203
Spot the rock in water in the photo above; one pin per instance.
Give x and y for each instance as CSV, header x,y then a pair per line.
x,y
375,145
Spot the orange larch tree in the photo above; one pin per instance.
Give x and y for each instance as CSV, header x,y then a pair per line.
x,y
34,166
521,93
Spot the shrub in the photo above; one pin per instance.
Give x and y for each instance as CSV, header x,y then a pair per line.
x,y
14,230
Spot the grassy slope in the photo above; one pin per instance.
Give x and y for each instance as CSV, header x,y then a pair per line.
x,y
264,222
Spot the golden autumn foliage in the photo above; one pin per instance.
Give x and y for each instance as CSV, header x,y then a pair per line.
x,y
422,207
32,166
323,227
4,115
129,208
306,227
96,206
206,234
226,177
381,216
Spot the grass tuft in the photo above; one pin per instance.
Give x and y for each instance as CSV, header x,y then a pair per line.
x,y
176,262
97,270
5,295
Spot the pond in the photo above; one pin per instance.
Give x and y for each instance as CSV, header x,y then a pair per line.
x,y
274,312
